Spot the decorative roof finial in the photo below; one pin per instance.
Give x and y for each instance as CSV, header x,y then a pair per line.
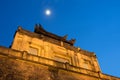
x,y
72,41
65,37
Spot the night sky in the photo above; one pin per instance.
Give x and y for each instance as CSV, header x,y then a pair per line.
x,y
95,24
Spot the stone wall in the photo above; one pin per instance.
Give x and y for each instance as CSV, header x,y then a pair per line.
x,y
18,65
44,46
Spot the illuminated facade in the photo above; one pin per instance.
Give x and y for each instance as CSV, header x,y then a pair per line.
x,y
64,60
48,45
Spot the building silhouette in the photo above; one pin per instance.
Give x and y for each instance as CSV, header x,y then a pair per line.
x,y
41,55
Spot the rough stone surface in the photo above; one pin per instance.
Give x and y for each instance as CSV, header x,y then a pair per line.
x,y
12,69
16,69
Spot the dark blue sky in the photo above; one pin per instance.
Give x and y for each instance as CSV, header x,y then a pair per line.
x,y
94,23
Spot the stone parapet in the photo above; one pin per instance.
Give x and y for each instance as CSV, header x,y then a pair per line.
x,y
24,56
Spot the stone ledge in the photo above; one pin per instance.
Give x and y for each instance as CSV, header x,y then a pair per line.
x,y
22,55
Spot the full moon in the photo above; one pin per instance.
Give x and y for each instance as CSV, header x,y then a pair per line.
x,y
48,12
